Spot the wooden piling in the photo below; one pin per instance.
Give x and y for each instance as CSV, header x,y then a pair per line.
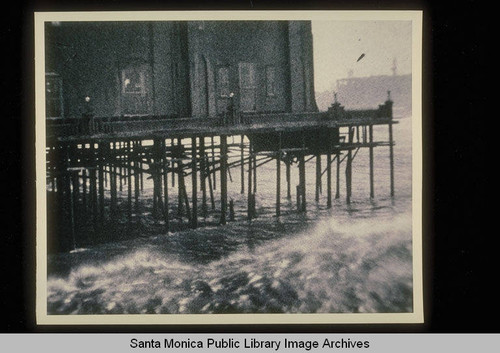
x,y
141,173
72,211
391,159
249,197
242,161
101,182
186,201
113,184
298,193
153,171
129,182
194,184
213,162
372,191
210,186
337,180
231,210
348,168
318,177
329,178
117,152
75,193
278,184
172,166
203,176
84,192
165,191
180,179
254,174
137,185
93,188
223,177
288,178
302,182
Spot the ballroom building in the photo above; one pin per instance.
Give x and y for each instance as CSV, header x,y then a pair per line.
x,y
178,68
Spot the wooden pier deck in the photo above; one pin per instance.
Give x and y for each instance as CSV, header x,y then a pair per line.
x,y
109,129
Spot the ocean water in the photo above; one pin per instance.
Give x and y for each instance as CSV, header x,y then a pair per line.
x,y
353,257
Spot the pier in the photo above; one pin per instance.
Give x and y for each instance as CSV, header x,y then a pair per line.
x,y
97,167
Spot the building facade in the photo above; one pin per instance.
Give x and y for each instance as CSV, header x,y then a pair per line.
x,y
178,69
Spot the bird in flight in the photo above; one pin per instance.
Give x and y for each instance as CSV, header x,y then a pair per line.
x,y
361,57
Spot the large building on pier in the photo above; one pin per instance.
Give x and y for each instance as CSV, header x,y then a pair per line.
x,y
178,69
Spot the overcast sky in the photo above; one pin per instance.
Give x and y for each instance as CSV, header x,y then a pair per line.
x,y
338,44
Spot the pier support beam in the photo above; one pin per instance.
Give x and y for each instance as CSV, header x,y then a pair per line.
x,y
203,176
302,183
129,182
288,178
165,188
194,184
156,171
329,178
118,157
250,195
337,176
101,182
242,161
370,132
141,174
318,177
278,184
180,177
137,186
223,178
254,174
348,167
74,209
213,162
172,166
93,188
391,159
113,184
210,186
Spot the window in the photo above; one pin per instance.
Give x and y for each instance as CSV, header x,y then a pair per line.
x,y
248,87
223,81
248,75
270,81
136,90
53,95
134,80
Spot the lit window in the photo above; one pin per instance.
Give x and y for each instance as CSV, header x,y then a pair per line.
x,y
136,88
134,80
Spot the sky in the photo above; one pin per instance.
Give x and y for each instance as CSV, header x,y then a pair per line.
x,y
338,45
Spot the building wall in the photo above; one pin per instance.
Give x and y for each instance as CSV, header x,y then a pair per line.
x,y
225,45
181,68
93,60
301,66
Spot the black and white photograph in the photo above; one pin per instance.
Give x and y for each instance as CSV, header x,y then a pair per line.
x,y
229,167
